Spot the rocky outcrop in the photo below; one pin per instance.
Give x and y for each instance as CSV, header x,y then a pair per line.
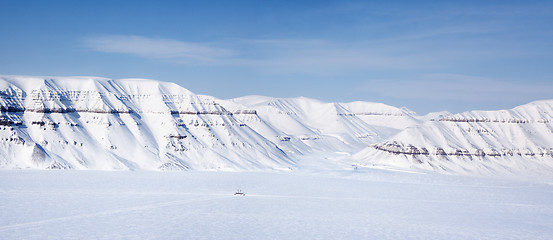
x,y
397,148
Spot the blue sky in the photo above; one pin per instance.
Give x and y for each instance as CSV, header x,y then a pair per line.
x,y
424,55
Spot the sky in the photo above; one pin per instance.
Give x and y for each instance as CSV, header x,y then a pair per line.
x,y
427,56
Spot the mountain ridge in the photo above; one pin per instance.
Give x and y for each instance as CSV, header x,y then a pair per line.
x,y
510,141
131,124
123,124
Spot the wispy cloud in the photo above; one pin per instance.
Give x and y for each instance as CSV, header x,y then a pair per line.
x,y
318,57
158,48
272,55
313,56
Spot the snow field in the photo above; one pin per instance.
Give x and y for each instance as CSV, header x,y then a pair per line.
x,y
346,204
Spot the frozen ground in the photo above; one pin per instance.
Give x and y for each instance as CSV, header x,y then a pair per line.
x,y
347,204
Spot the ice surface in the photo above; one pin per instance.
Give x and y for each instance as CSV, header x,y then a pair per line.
x,y
357,203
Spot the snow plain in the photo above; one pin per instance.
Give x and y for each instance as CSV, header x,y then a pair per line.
x,y
357,203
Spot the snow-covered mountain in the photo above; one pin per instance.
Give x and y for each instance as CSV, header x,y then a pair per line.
x,y
301,125
519,140
98,123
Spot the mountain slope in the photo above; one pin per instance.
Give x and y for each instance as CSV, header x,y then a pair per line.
x,y
519,140
302,125
98,123
104,124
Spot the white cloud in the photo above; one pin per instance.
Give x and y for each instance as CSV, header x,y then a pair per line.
x,y
306,56
320,57
158,48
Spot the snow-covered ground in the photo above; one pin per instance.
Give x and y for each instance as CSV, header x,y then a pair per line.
x,y
357,203
310,169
